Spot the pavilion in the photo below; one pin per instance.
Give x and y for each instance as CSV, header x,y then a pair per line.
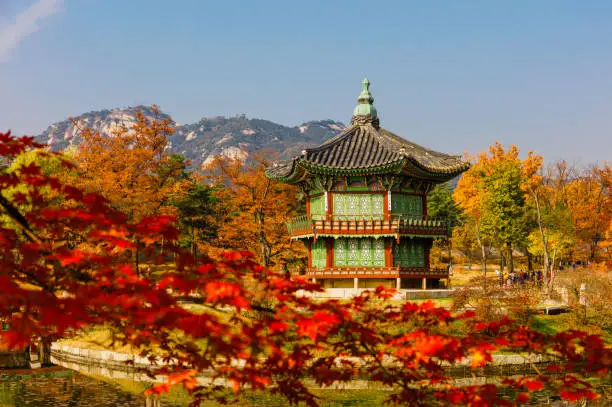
x,y
366,221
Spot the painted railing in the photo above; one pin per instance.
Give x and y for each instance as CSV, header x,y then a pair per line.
x,y
414,224
376,272
301,225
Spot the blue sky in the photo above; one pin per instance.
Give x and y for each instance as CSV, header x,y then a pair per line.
x,y
452,75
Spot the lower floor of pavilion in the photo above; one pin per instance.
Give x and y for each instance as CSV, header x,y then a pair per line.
x,y
397,283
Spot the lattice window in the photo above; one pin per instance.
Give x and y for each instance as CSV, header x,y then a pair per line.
x,y
378,205
365,205
352,257
406,204
339,204
317,207
379,253
365,252
409,253
319,254
340,252
351,206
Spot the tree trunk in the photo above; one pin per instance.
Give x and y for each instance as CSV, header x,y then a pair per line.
x,y
529,260
510,259
544,239
552,273
502,261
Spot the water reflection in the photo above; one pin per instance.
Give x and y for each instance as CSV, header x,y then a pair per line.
x,y
58,387
64,388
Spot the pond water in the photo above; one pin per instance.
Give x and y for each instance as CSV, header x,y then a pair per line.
x,y
64,388
59,387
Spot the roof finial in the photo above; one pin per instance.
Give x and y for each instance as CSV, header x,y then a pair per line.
x,y
365,112
366,84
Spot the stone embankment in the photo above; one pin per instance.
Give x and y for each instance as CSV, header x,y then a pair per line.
x,y
128,366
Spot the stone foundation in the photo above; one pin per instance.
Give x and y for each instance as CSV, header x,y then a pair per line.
x,y
14,360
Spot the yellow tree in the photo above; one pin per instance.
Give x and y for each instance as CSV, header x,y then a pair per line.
x,y
469,197
254,210
546,191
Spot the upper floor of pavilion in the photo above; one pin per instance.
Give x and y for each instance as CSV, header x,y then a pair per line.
x,y
367,150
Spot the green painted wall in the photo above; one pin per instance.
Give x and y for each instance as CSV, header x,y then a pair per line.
x,y
409,253
350,206
317,207
362,252
319,254
408,204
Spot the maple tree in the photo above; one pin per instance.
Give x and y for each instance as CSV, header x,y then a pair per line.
x,y
51,288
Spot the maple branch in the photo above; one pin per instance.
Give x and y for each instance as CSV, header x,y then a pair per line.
x,y
19,219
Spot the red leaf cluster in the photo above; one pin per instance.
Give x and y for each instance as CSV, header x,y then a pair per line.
x,y
66,263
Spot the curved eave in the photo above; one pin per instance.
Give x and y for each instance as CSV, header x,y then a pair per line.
x,y
416,168
392,167
289,175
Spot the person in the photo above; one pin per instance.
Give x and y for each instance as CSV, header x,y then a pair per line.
x,y
500,277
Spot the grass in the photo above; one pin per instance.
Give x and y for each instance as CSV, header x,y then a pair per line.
x,y
328,397
97,338
552,324
462,276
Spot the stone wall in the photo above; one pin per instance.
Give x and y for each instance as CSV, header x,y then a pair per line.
x,y
14,359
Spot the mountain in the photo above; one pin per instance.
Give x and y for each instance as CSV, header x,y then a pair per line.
x,y
200,142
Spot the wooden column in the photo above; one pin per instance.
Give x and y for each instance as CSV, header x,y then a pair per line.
x,y
330,206
310,253
329,258
307,205
386,205
388,253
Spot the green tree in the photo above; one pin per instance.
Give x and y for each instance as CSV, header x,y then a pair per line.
x,y
441,204
197,209
504,209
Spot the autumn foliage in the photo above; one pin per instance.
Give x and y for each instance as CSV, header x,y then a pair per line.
x,y
51,287
551,212
254,209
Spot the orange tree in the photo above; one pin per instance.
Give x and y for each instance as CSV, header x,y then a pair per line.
x,y
131,169
50,288
254,210
589,198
